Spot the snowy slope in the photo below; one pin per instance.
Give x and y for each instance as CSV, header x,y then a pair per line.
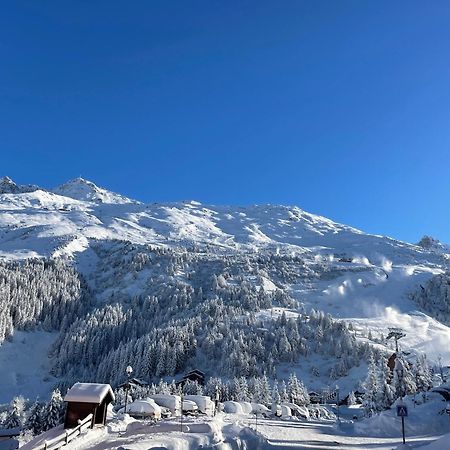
x,y
38,223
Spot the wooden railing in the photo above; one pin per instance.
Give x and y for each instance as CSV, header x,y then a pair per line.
x,y
67,436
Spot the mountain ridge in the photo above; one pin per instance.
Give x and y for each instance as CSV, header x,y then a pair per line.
x,y
40,219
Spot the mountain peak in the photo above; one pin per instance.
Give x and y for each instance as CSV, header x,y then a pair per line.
x,y
8,186
6,180
85,190
430,243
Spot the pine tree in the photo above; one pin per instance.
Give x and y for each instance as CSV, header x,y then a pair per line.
x,y
386,395
264,391
16,415
284,392
422,374
351,399
53,412
276,397
404,383
371,386
297,391
240,389
34,419
192,388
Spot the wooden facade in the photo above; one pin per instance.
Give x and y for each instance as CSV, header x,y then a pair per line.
x,y
87,398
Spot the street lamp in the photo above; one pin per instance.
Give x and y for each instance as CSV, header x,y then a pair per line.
x,y
129,371
216,400
337,402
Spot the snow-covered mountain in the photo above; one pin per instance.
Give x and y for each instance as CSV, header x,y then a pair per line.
x,y
7,186
36,222
122,280
84,190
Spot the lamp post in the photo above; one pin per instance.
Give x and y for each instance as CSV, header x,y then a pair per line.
x,y
129,371
337,402
216,400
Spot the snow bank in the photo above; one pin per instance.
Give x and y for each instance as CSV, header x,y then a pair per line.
x,y
189,405
423,419
145,408
246,407
204,403
439,444
258,408
173,402
231,407
295,410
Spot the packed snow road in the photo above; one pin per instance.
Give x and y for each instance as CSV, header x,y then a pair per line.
x,y
290,434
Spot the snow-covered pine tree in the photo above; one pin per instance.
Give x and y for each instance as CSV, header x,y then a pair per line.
x,y
422,374
16,414
403,380
351,400
284,392
386,395
53,412
241,391
120,396
34,420
296,390
264,396
371,388
276,397
304,395
192,388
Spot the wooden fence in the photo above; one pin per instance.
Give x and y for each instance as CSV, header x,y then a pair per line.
x,y
67,436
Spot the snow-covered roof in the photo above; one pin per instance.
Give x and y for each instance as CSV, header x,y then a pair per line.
x,y
88,393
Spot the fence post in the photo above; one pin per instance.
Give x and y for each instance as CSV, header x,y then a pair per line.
x,y
45,445
67,437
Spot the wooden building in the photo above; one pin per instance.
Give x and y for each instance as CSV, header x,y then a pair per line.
x,y
87,398
194,375
134,382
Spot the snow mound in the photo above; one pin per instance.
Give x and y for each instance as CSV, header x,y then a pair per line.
x,y
145,407
423,419
232,407
439,444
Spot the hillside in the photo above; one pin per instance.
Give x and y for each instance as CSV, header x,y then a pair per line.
x,y
111,281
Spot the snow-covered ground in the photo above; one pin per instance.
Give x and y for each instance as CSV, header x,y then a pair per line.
x,y
24,366
243,431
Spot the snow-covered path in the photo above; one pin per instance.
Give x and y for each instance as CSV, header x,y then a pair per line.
x,y
231,431
324,435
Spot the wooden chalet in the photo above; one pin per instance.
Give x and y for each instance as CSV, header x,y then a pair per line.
x,y
193,375
134,382
87,398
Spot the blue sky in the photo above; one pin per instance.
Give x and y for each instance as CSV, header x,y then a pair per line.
x,y
339,107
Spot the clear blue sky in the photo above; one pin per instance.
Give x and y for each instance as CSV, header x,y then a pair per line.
x,y
339,107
